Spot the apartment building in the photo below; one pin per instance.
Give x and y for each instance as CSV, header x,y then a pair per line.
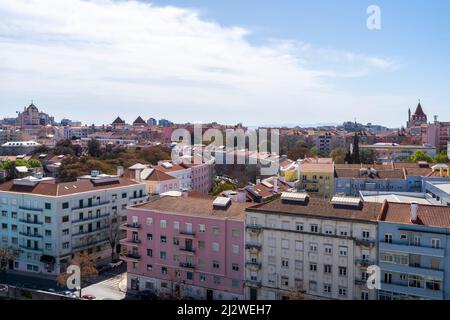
x,y
187,247
50,222
316,176
414,252
320,247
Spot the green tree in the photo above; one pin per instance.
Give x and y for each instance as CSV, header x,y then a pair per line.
x,y
338,155
355,151
94,148
420,156
441,158
367,156
222,186
313,151
33,163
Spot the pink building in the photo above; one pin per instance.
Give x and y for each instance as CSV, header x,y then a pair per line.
x,y
187,247
201,175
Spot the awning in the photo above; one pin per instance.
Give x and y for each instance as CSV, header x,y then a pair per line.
x,y
47,259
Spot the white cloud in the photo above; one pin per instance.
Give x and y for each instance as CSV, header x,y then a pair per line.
x,y
125,57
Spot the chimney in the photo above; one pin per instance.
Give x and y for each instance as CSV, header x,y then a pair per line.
x,y
120,171
275,184
414,210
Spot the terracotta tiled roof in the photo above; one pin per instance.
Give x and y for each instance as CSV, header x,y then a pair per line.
x,y
320,208
419,111
66,188
428,215
317,167
158,175
118,121
139,120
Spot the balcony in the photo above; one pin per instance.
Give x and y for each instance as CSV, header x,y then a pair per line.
x,y
90,244
364,242
139,197
410,249
255,228
253,283
25,208
30,235
187,265
364,262
412,269
413,291
187,234
360,282
131,242
131,256
102,216
131,226
94,205
30,221
253,246
189,251
82,233
253,264
32,249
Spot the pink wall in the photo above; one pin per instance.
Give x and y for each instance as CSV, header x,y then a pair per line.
x,y
225,256
202,177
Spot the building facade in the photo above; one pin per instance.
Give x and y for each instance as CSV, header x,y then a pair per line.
x,y
319,247
187,247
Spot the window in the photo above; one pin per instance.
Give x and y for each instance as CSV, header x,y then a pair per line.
x,y
313,286
416,241
163,239
313,247
435,243
364,295
299,245
149,267
329,229
314,228
202,277
285,281
216,231
298,265
163,255
201,244
124,195
48,206
299,226
150,253
235,233
403,236
149,236
162,224
48,233
215,247
388,238
66,245
176,241
284,244
272,260
343,271
285,263
366,234
65,205
327,288
216,264
65,232
176,225
343,231
201,228
189,276
285,225
328,249
313,267
216,280
176,258
163,271
235,249
48,219
342,291
234,283
343,251
235,266
271,242
149,221
327,268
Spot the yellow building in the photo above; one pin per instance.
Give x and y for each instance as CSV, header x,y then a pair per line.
x,y
316,178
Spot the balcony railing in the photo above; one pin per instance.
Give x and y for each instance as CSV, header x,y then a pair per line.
x,y
102,216
254,264
81,233
364,262
90,244
254,227
187,265
365,242
34,249
93,205
31,209
30,221
188,250
131,255
30,234
187,233
132,226
253,283
253,245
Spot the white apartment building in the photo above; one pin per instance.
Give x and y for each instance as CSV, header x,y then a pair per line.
x,y
319,247
47,223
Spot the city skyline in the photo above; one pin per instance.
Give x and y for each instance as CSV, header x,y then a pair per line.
x,y
206,62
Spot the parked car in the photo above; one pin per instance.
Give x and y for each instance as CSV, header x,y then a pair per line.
x,y
103,268
88,297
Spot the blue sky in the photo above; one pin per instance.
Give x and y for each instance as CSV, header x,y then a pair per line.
x,y
256,62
